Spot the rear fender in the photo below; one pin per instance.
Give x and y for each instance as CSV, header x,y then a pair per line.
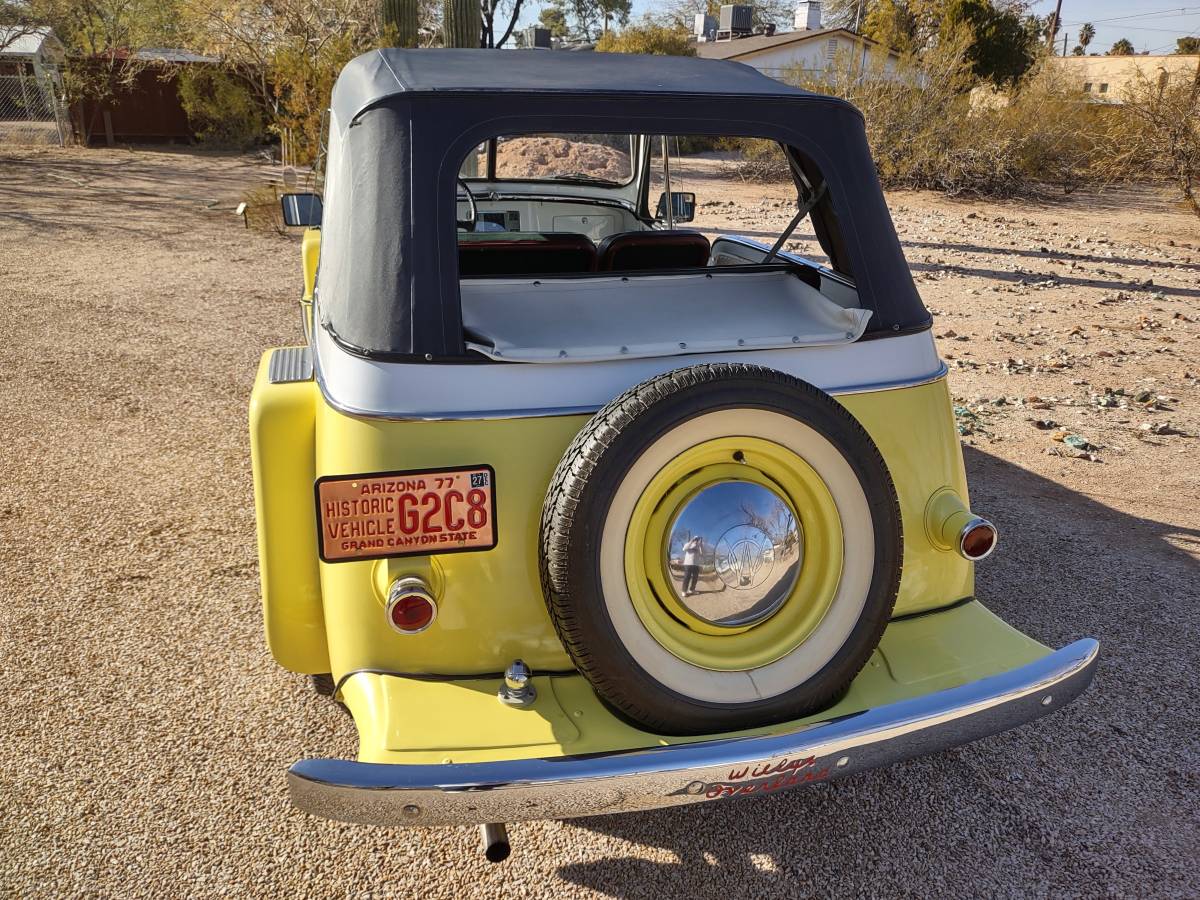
x,y
282,416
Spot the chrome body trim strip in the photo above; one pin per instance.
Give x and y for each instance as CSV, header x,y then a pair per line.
x,y
872,387
626,781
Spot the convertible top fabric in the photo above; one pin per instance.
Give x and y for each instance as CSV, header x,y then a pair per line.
x,y
402,121
376,76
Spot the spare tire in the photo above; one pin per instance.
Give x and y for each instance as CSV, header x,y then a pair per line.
x,y
720,549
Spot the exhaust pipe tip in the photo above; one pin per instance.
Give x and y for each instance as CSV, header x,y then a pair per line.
x,y
977,539
496,847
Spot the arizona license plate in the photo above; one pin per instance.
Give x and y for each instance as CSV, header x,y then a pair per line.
x,y
406,513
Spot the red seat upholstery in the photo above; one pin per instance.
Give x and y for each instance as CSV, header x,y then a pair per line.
x,y
498,253
634,251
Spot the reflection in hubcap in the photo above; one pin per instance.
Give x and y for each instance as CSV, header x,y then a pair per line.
x,y
734,553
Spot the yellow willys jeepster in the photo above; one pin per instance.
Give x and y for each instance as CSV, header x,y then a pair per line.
x,y
580,511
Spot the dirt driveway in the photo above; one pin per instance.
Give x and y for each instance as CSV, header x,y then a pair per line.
x,y
145,732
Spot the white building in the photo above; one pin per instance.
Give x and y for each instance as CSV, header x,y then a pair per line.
x,y
809,47
30,51
31,110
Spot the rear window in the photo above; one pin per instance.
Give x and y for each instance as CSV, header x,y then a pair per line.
x,y
605,159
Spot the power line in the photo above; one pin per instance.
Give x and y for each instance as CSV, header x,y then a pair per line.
x,y
1144,28
1163,13
1169,46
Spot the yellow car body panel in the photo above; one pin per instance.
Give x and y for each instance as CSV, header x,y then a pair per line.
x,y
490,605
282,448
406,720
914,429
310,254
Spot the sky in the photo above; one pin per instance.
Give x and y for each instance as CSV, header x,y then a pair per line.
x,y
1149,24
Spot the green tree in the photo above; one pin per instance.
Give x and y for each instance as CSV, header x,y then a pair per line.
x,y
554,20
1188,45
893,24
1121,48
221,109
843,13
1087,31
102,37
287,54
1001,48
661,40
588,19
16,21
905,25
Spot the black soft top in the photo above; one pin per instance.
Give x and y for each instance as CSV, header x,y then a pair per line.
x,y
376,76
402,121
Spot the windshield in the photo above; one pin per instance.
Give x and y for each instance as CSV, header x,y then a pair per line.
x,y
573,158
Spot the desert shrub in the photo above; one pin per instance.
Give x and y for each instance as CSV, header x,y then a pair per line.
x,y
288,53
263,212
1040,136
758,159
646,37
221,109
1155,132
928,129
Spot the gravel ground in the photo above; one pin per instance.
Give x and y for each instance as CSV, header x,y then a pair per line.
x,y
146,732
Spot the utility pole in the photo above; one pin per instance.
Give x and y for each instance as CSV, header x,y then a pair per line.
x,y
1053,26
1064,43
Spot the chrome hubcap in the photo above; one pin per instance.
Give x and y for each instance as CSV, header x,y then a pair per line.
x,y
734,553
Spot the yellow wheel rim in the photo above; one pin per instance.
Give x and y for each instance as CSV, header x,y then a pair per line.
x,y
685,634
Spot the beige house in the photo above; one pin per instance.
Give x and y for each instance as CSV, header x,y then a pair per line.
x,y
1107,79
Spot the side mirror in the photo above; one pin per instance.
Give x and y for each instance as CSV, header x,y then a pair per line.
x,y
683,206
301,209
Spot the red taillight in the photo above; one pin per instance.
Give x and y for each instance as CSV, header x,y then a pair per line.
x,y
978,539
410,608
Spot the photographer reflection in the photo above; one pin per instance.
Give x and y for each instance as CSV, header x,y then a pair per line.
x,y
691,565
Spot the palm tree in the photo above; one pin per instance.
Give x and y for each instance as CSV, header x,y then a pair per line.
x,y
1123,47
1087,31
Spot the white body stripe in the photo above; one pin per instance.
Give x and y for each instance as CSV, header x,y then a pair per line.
x,y
413,390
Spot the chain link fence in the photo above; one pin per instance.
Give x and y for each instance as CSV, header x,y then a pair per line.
x,y
31,112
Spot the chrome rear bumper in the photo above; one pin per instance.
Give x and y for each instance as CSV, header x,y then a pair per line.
x,y
567,787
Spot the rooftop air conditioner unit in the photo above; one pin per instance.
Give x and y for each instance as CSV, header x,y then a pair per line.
x,y
537,38
736,21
